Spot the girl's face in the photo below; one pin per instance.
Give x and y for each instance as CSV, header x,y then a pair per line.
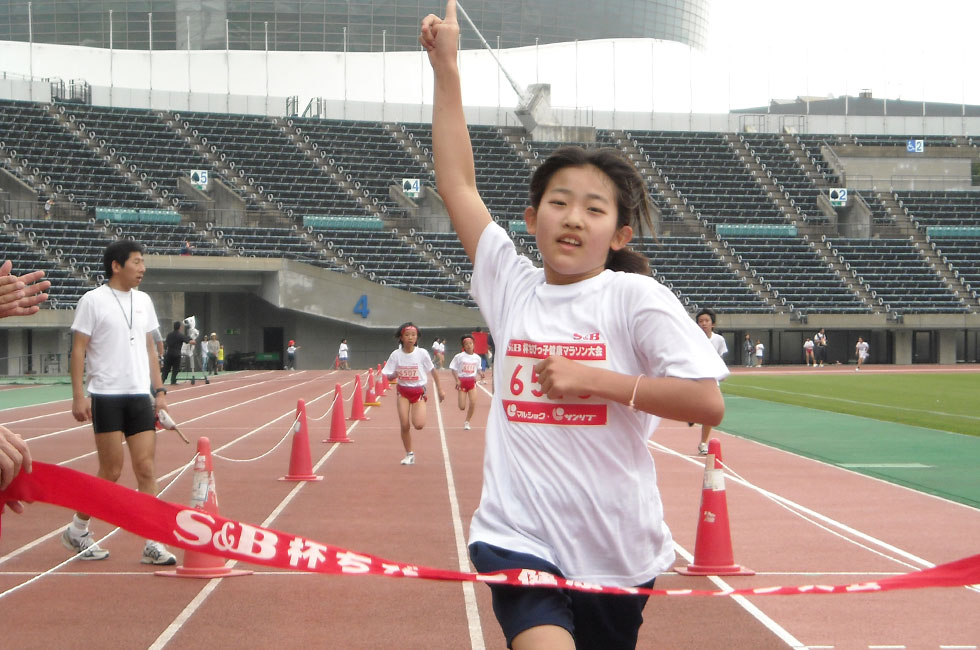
x,y
409,338
468,346
576,224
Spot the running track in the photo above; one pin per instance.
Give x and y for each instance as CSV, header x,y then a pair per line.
x,y
799,522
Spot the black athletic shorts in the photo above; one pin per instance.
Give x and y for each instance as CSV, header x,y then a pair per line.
x,y
130,414
596,621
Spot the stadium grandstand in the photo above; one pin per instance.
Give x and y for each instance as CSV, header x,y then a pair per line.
x,y
272,218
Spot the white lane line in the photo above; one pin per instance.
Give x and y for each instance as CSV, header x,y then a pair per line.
x,y
744,603
462,555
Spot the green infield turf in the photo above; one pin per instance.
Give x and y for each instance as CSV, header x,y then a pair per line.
x,y
941,401
937,462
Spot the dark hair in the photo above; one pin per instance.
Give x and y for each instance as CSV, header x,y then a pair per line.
x,y
119,251
632,199
706,311
463,338
403,326
176,325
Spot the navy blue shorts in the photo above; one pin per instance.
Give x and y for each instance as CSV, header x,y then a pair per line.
x,y
600,621
130,414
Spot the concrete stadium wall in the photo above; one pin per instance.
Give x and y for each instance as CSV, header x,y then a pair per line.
x,y
583,90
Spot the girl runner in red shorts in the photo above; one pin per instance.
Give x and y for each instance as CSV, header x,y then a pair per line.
x,y
411,366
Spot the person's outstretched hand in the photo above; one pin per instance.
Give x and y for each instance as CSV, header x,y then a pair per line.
x,y
440,36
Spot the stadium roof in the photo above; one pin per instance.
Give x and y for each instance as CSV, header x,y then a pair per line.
x,y
863,105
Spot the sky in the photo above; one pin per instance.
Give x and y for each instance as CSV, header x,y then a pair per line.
x,y
899,49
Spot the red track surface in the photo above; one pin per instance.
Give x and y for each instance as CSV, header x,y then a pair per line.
x,y
368,502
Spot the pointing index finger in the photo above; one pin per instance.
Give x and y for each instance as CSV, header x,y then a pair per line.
x,y
451,11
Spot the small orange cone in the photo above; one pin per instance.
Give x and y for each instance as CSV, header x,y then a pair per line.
x,y
204,497
370,397
300,463
357,403
338,425
713,545
336,362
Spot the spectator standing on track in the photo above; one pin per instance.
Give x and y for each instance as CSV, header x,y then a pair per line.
x,y
820,348
19,296
748,350
590,359
172,347
411,366
113,342
465,365
343,354
291,355
213,345
861,350
760,351
481,347
706,321
808,352
221,358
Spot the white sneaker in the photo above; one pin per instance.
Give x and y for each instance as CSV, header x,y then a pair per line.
x,y
409,458
466,426
157,553
702,449
83,545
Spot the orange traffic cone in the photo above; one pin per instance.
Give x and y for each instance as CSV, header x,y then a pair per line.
x,y
357,403
338,426
713,545
204,497
370,397
300,463
336,362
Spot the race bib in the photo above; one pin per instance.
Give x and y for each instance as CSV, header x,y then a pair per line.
x,y
524,401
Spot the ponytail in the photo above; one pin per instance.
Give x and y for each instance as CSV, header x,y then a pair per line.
x,y
628,261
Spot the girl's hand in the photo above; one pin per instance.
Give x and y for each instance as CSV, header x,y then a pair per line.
x,y
559,376
439,36
442,396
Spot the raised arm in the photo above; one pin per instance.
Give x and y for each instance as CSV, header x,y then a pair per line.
x,y
452,150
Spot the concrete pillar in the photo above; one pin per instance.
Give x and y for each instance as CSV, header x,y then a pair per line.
x,y
947,346
902,347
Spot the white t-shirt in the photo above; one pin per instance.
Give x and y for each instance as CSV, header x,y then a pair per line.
x,y
466,365
116,359
759,349
808,345
718,343
862,350
572,481
343,351
411,369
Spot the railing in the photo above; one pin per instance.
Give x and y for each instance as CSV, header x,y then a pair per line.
x,y
52,364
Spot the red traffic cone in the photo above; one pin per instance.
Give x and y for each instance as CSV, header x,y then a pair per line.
x,y
203,497
338,425
357,403
713,545
300,463
336,362
370,397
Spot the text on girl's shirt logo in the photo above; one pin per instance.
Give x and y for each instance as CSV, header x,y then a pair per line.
x,y
594,336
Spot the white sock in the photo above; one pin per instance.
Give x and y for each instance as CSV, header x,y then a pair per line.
x,y
79,526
